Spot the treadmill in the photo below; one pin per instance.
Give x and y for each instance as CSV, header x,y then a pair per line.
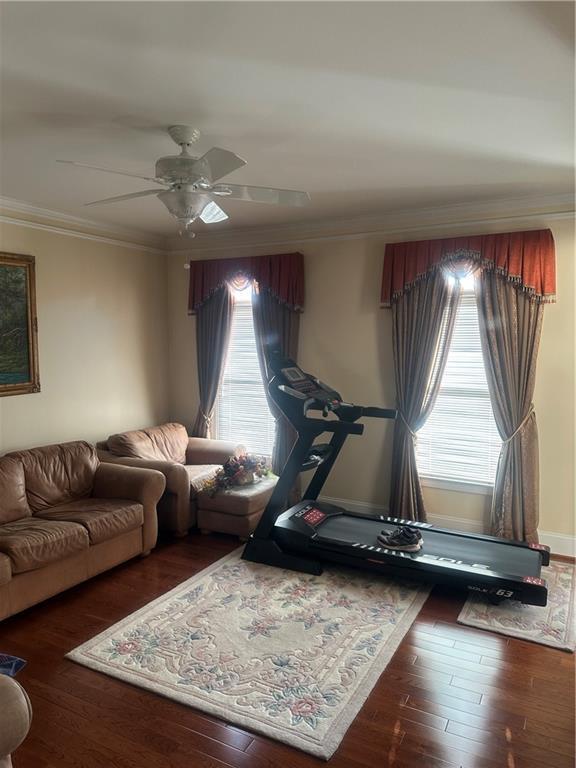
x,y
311,532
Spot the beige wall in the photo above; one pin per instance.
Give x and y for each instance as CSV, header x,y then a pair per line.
x,y
102,340
345,339
117,351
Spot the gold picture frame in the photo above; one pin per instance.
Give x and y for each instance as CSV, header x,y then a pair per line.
x,y
19,372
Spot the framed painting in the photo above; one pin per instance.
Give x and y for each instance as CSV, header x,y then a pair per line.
x,y
19,373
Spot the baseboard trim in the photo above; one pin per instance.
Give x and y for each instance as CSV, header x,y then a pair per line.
x,y
559,543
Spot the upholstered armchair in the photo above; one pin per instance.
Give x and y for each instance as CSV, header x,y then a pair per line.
x,y
15,718
186,462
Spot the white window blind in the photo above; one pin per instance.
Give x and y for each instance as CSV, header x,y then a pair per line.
x,y
460,440
242,413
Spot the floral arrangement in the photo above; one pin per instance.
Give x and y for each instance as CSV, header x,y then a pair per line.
x,y
238,470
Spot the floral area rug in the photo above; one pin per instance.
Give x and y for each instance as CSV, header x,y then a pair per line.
x,y
285,654
553,625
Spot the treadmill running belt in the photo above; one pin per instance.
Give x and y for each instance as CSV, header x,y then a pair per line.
x,y
503,558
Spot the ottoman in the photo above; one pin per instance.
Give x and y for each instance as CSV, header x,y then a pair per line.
x,y
235,511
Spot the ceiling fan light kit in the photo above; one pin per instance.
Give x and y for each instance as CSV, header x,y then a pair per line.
x,y
189,183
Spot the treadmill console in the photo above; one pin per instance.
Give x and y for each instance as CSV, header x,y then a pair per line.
x,y
294,383
299,380
297,392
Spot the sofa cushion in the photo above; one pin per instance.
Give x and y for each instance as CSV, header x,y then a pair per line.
x,y
103,518
199,474
168,442
31,543
57,473
5,569
13,502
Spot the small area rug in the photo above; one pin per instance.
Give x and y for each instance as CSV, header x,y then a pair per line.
x,y
553,625
285,654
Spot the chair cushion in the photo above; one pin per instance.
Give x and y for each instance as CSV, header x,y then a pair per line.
x,y
103,518
31,543
199,474
13,502
168,442
243,500
5,569
58,473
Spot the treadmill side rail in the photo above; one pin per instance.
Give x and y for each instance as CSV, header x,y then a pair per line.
x,y
529,590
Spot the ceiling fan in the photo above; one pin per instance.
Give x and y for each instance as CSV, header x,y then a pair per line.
x,y
189,183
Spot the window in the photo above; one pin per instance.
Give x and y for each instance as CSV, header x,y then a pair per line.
x,y
242,413
460,440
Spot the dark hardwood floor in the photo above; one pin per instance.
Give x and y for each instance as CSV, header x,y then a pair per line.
x,y
451,696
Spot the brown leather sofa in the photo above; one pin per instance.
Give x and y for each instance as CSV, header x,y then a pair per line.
x,y
186,462
65,517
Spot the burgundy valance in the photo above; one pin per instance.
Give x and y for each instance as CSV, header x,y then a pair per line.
x,y
282,274
527,258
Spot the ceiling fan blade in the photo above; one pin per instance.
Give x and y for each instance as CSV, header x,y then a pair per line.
x,y
212,213
217,163
110,170
116,199
261,194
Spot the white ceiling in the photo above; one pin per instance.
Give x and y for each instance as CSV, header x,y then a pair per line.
x,y
370,107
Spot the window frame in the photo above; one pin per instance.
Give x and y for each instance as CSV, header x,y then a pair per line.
x,y
459,485
237,291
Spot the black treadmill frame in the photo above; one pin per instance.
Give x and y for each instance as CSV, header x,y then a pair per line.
x,y
270,543
496,584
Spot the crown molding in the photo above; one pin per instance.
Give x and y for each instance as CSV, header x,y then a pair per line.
x,y
511,212
23,214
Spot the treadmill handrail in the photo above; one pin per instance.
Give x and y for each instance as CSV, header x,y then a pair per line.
x,y
324,425
350,412
379,413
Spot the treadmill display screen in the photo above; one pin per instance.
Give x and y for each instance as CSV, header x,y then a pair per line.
x,y
294,374
313,516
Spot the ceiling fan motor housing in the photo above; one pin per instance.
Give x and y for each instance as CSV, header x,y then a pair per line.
x,y
177,168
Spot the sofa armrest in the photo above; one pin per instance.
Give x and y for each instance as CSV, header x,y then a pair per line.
x,y
146,486
202,450
177,480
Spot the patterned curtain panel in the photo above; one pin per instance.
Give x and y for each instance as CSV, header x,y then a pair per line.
x,y
276,325
213,326
422,324
516,276
510,326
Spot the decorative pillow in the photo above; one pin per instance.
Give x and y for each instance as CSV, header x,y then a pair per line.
x,y
13,501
